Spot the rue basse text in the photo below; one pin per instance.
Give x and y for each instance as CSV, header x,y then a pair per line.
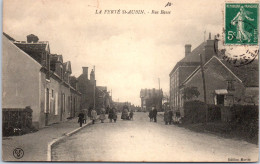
x,y
160,12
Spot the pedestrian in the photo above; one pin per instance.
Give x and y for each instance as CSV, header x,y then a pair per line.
x,y
151,115
131,115
93,115
81,118
85,112
170,116
111,114
166,117
102,116
155,114
114,115
125,115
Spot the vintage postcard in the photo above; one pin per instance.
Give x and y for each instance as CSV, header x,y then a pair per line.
x,y
130,80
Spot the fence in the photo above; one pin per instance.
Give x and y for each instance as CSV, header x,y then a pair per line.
x,y
16,121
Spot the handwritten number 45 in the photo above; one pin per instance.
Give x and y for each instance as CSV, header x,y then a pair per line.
x,y
231,35
168,4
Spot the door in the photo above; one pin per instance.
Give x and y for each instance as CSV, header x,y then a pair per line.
x,y
47,106
61,109
220,99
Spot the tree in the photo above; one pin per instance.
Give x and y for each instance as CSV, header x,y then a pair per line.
x,y
190,92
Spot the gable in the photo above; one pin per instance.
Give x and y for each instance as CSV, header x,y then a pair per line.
x,y
218,69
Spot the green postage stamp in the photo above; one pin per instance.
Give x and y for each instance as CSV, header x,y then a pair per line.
x,y
241,24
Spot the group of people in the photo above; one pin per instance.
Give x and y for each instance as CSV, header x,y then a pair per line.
x,y
168,116
92,114
125,115
153,114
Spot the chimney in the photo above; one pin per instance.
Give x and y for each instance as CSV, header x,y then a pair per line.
x,y
32,38
187,49
210,49
85,71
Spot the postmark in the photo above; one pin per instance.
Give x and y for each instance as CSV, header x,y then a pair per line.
x,y
241,24
18,153
236,55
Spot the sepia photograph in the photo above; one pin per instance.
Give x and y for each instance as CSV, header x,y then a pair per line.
x,y
130,81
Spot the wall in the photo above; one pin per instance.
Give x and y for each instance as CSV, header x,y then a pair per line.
x,y
20,79
216,76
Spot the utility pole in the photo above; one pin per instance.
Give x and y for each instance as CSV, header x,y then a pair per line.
x,y
160,96
94,90
204,86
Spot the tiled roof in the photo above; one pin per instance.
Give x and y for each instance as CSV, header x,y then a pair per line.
x,y
194,55
247,73
35,50
193,59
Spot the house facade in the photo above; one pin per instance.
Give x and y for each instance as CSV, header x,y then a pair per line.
x,y
40,80
92,95
151,98
226,84
186,66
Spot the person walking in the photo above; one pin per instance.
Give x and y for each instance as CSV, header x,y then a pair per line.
x,y
151,115
170,116
166,117
102,116
155,114
93,115
131,115
114,115
111,114
81,118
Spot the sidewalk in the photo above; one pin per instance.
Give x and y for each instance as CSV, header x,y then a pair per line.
x,y
35,145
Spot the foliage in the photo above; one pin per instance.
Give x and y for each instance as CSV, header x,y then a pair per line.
x,y
190,92
194,111
245,117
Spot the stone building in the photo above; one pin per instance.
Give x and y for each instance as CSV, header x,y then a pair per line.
x,y
186,66
226,84
39,79
87,86
151,98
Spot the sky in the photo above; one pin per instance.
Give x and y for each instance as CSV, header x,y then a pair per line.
x,y
129,52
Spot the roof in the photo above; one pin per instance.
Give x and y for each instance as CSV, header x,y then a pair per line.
x,y
194,55
193,59
102,88
221,91
146,92
67,66
35,50
247,74
8,37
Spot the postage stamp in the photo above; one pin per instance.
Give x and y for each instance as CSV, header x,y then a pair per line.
x,y
241,24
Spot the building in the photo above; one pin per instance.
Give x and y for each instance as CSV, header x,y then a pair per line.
x,y
186,66
39,79
226,84
151,98
104,99
86,88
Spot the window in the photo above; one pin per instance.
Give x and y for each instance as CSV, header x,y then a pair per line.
x,y
47,101
56,104
230,85
52,93
63,102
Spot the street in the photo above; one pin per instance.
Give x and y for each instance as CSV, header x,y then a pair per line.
x,y
142,140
